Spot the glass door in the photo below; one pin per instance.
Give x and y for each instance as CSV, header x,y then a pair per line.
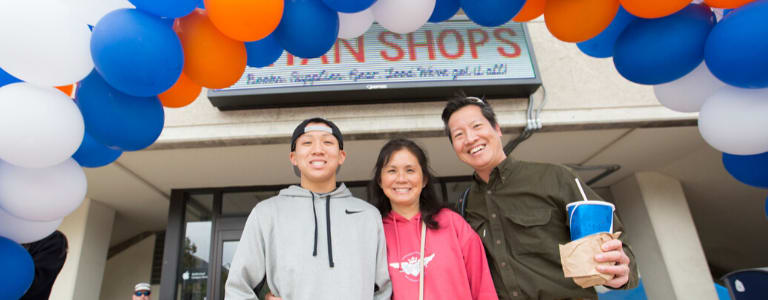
x,y
228,232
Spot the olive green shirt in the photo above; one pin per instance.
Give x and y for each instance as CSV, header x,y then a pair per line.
x,y
520,215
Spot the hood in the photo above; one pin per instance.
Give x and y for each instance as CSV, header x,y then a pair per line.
x,y
299,192
399,221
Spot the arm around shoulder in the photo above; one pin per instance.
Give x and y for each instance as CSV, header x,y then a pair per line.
x,y
475,262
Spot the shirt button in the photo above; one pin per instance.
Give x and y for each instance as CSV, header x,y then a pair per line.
x,y
498,242
514,293
493,216
489,192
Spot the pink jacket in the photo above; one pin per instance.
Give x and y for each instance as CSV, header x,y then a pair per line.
x,y
455,266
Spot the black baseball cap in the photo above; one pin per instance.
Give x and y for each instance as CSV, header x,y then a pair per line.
x,y
302,128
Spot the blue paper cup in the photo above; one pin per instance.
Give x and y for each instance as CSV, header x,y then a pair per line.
x,y
589,217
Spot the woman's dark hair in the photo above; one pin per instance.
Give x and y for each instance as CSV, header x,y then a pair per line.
x,y
429,204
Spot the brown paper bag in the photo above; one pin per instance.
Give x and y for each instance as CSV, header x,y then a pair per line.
x,y
578,259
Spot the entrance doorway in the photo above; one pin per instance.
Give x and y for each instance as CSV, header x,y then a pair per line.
x,y
205,226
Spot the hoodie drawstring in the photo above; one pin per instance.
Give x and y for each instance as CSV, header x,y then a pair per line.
x,y
397,235
328,227
314,252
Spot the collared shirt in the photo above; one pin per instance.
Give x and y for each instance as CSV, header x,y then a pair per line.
x,y
520,215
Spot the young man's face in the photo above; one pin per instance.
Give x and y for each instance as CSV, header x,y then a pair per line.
x,y
475,141
317,155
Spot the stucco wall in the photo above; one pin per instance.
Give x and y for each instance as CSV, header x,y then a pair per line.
x,y
124,270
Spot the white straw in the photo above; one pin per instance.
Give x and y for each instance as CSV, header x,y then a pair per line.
x,y
581,190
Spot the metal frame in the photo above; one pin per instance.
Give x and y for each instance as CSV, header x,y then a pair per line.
x,y
361,93
173,243
227,229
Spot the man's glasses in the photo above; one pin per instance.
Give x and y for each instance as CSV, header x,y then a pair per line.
x,y
142,293
476,100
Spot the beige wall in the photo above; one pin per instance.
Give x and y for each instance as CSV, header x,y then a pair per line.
x,y
124,270
88,231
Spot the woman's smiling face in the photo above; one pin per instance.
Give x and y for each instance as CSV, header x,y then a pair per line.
x,y
402,179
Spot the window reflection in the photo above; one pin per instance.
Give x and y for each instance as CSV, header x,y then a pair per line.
x,y
241,203
196,248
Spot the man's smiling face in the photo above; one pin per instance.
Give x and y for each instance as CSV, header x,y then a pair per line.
x,y
475,141
317,155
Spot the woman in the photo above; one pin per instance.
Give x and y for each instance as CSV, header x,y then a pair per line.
x,y
454,261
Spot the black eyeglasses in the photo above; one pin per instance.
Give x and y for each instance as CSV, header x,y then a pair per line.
x,y
144,293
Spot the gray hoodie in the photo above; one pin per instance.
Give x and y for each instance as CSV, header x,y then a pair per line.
x,y
312,246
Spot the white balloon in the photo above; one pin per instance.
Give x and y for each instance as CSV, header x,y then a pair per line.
x,y
42,43
354,24
735,120
23,231
39,126
688,93
91,11
42,194
402,16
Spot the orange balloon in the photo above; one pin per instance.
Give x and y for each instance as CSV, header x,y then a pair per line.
x,y
531,10
245,20
727,3
67,89
211,59
579,20
651,9
182,93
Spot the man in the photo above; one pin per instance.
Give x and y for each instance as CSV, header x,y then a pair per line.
x,y
314,241
141,291
518,209
49,255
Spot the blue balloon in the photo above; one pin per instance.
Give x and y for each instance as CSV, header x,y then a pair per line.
x,y
201,4
349,6
6,78
118,120
166,8
263,52
749,169
308,28
736,51
601,46
136,52
444,10
766,207
18,269
491,12
93,154
655,51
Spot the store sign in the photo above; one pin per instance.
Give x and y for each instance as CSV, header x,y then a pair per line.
x,y
382,66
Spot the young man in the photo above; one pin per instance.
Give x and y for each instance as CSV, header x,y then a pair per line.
x,y
518,209
314,241
141,291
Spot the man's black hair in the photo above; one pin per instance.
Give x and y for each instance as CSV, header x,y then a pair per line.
x,y
461,100
301,127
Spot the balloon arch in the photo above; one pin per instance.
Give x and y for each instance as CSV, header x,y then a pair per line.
x,y
708,56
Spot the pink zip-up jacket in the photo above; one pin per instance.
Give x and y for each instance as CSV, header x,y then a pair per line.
x,y
455,266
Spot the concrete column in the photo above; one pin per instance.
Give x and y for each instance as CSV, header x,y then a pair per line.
x,y
663,237
88,230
